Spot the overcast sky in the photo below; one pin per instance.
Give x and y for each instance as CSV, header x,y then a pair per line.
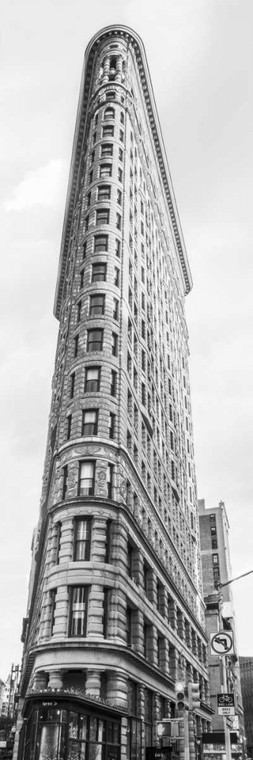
x,y
200,57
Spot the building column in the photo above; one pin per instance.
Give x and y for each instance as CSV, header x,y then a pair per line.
x,y
163,663
116,688
93,683
118,76
98,539
137,566
96,611
172,613
106,70
55,679
181,625
174,663
40,680
66,551
151,588
162,601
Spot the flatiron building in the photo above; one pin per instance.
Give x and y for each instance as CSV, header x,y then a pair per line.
x,y
115,612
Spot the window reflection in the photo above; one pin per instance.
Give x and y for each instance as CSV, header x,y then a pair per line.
x,y
55,734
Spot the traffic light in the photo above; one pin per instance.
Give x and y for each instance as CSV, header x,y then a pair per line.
x,y
194,696
180,696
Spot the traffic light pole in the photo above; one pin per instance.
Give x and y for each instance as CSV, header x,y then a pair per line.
x,y
186,735
224,678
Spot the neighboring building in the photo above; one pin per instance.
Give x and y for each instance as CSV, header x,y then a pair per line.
x,y
8,693
116,614
2,690
220,614
246,671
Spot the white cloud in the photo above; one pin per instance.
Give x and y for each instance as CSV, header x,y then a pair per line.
x,y
41,187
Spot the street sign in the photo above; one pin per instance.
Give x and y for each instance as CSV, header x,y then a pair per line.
x,y
221,643
226,704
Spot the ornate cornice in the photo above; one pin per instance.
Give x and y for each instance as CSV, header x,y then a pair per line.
x,y
82,115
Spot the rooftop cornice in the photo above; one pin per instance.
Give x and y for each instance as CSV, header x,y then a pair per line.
x,y
82,114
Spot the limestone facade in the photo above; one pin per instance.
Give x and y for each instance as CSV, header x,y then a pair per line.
x,y
116,613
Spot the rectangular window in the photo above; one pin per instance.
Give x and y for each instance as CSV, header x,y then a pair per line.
x,y
129,626
97,304
105,170
114,344
105,612
81,279
78,610
115,309
72,385
69,421
117,247
90,422
82,539
108,130
113,389
76,341
119,197
104,192
79,311
110,485
86,223
98,272
116,277
120,175
121,135
109,113
86,478
52,610
94,340
100,243
92,379
106,150
90,177
120,154
118,221
65,481
102,216
112,419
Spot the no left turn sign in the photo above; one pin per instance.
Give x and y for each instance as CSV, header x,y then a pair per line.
x,y
221,643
